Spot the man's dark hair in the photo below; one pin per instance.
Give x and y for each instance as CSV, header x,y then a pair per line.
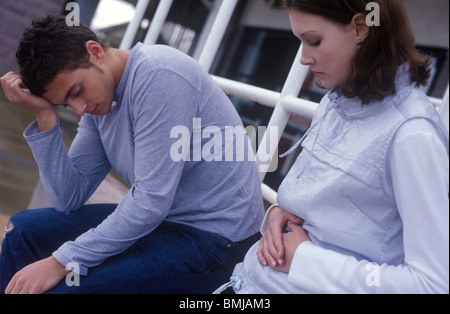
x,y
50,47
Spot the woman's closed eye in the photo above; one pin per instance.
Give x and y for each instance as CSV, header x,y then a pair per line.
x,y
316,43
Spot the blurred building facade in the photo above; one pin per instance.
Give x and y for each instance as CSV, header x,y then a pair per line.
x,y
258,49
15,16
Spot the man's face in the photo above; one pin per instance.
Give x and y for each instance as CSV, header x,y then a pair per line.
x,y
85,90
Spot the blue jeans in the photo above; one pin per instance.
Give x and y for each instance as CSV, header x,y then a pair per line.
x,y
173,259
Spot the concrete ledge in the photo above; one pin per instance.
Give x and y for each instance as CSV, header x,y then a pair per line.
x,y
111,191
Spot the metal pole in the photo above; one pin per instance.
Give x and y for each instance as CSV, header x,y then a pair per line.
x,y
158,22
213,11
134,25
280,117
217,33
444,109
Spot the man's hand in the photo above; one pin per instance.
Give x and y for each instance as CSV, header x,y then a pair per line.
x,y
15,91
271,249
37,278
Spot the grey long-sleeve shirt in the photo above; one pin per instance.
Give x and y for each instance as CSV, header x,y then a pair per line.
x,y
165,105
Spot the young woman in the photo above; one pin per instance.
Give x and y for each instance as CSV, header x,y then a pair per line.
x,y
184,224
365,208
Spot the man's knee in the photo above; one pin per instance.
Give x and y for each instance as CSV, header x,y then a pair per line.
x,y
22,225
9,226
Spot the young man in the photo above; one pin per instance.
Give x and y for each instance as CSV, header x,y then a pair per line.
x,y
185,222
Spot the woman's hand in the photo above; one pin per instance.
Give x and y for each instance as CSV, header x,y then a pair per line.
x,y
291,241
271,249
15,91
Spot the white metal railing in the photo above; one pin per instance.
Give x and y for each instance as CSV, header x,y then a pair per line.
x,y
158,22
444,109
217,33
284,103
134,25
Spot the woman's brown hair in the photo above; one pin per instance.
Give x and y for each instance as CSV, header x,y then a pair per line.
x,y
387,46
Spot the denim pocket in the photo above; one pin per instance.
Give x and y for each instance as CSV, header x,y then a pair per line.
x,y
221,241
216,248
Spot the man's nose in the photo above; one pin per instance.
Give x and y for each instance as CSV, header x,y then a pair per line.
x,y
79,107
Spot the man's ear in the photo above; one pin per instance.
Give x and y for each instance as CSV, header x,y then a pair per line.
x,y
95,51
361,27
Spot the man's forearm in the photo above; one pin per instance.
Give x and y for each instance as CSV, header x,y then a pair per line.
x,y
46,121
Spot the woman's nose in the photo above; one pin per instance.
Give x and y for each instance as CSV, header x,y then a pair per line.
x,y
306,60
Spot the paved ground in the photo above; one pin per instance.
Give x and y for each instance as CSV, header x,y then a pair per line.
x,y
18,171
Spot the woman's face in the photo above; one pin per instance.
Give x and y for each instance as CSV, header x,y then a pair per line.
x,y
328,47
